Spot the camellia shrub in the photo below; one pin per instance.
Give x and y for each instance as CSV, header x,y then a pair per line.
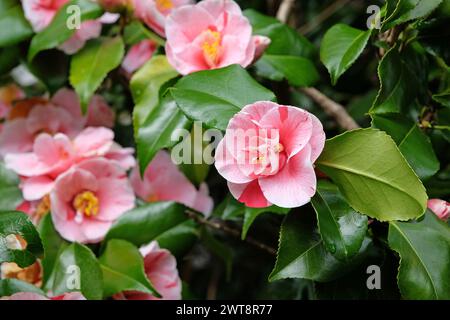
x,y
220,149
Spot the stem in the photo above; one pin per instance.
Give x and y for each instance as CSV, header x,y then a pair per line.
x,y
231,231
332,108
285,10
322,16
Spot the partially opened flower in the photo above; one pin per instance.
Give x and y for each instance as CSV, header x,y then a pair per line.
x,y
163,181
440,207
40,14
138,54
88,198
210,34
267,155
161,269
154,12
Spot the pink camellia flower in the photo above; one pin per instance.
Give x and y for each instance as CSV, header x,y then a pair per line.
x,y
154,12
440,207
53,155
99,113
210,34
163,181
41,12
36,296
62,114
88,198
19,133
138,54
267,155
161,269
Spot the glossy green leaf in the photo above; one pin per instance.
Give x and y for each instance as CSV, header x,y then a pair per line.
x,y
53,246
284,39
9,58
123,269
144,224
424,249
77,269
214,96
229,209
90,66
14,28
58,30
302,254
9,189
251,214
407,10
373,176
412,142
156,132
136,32
341,228
179,239
14,223
10,286
146,85
398,84
341,46
443,98
299,71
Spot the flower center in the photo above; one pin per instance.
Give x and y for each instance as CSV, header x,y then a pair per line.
x,y
43,207
164,5
152,198
211,47
86,203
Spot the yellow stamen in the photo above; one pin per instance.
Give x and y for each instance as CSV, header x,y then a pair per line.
x,y
86,203
43,207
279,148
211,47
164,5
152,198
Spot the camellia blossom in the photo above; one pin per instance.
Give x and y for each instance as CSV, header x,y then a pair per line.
x,y
36,296
53,155
41,12
88,198
154,12
267,155
161,269
210,34
163,181
62,114
138,54
440,207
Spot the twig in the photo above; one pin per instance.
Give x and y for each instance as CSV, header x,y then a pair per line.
x,y
322,16
231,231
332,108
284,10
